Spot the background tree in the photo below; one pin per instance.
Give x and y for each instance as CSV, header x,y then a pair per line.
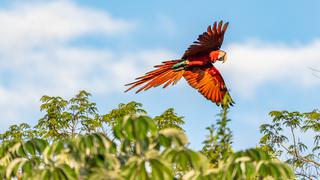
x,y
55,123
19,132
85,112
283,138
66,118
218,145
169,119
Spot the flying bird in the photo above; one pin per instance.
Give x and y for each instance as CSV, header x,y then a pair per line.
x,y
196,66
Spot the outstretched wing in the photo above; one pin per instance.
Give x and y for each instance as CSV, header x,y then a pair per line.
x,y
208,41
164,74
209,82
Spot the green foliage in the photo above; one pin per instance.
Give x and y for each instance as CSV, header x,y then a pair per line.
x,y
217,146
72,141
281,139
253,163
55,122
248,164
123,110
85,112
18,133
62,117
169,119
132,154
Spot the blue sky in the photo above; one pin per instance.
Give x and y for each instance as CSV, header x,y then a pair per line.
x,y
61,47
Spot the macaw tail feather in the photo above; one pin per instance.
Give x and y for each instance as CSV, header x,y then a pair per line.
x,y
163,74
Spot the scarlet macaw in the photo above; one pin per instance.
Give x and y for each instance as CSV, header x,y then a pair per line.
x,y
196,67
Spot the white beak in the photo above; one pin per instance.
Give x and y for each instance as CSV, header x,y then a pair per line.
x,y
224,58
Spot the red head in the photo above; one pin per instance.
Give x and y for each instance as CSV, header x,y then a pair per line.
x,y
218,55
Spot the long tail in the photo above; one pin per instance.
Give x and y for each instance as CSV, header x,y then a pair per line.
x,y
163,74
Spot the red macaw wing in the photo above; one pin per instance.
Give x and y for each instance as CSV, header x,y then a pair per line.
x,y
208,41
164,74
209,82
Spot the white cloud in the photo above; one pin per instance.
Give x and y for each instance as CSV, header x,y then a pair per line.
x,y
30,24
253,64
36,58
64,71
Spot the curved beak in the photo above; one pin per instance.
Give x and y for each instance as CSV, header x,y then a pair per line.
x,y
222,57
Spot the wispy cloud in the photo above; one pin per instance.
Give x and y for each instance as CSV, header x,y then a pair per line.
x,y
36,58
65,70
253,64
30,24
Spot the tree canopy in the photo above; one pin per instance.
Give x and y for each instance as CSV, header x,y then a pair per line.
x,y
73,141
